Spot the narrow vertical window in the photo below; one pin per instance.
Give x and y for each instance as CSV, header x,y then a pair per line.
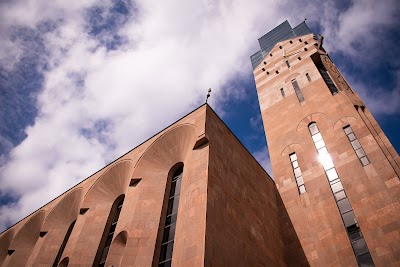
x,y
354,233
297,90
168,234
297,173
282,92
356,145
308,77
64,243
108,234
287,63
328,81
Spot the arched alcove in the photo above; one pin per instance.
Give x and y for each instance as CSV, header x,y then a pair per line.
x,y
56,224
5,241
344,121
117,249
25,240
317,117
110,185
99,201
64,262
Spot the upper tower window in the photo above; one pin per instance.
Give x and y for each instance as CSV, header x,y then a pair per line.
x,y
297,90
282,92
308,77
287,63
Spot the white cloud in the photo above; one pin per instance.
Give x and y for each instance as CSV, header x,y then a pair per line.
x,y
176,50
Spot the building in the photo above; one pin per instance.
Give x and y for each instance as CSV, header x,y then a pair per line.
x,y
335,169
192,195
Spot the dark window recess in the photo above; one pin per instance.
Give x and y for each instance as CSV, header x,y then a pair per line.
x,y
277,72
265,63
108,234
305,49
299,58
287,64
297,90
263,69
267,72
270,55
64,243
291,41
168,234
280,47
306,42
300,40
328,81
282,92
308,77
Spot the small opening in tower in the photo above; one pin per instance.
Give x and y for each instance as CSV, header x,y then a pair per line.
x,y
316,44
306,42
300,40
280,47
299,58
265,63
287,64
267,72
263,69
305,49
277,72
270,55
308,77
291,41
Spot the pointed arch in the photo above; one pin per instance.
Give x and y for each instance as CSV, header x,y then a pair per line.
x,y
25,240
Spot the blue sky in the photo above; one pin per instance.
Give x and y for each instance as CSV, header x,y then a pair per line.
x,y
82,83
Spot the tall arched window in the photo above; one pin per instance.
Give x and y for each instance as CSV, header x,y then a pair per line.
x,y
64,243
168,233
108,234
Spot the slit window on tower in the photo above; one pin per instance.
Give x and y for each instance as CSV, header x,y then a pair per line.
x,y
109,231
297,173
64,243
168,234
282,92
308,77
356,146
354,233
297,90
287,63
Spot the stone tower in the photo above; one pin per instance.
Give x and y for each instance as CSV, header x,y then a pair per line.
x,y
335,169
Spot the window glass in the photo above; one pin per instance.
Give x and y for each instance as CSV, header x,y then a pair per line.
x,y
344,205
300,180
293,157
297,172
326,161
332,174
359,246
295,164
317,137
348,130
364,161
282,92
302,189
322,151
319,144
337,187
313,129
308,77
349,219
365,260
340,195
351,137
360,152
355,144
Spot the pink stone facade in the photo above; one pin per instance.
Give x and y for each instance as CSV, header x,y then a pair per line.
x,y
230,212
373,190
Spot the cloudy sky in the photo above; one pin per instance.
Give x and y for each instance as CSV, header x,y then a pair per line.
x,y
83,82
